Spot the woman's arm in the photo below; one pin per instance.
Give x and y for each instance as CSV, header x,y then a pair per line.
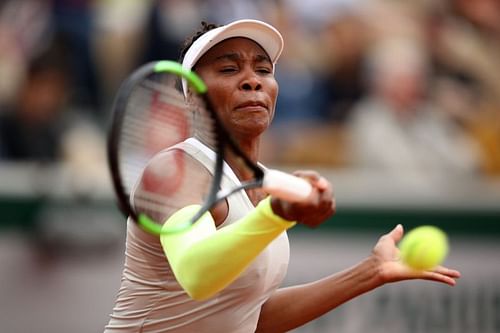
x,y
292,307
205,260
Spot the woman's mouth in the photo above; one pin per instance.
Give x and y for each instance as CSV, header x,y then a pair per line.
x,y
251,106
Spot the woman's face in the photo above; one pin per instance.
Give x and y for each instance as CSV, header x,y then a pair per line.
x,y
241,85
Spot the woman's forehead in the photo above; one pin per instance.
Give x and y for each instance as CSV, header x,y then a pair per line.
x,y
234,49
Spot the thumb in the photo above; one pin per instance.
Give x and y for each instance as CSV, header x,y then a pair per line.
x,y
397,233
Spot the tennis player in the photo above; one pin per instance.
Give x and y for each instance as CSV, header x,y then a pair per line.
x,y
224,274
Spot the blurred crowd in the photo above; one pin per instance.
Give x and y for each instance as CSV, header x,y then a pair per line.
x,y
399,86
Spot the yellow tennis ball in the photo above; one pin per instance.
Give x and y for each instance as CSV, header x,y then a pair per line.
x,y
424,247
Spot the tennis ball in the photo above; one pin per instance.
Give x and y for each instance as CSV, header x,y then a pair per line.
x,y
424,247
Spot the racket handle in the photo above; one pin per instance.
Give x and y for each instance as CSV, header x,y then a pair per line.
x,y
286,186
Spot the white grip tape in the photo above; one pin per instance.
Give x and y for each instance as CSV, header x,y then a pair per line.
x,y
286,186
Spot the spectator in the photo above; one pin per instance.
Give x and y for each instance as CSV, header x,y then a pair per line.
x,y
396,128
31,128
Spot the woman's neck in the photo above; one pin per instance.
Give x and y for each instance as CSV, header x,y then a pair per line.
x,y
251,149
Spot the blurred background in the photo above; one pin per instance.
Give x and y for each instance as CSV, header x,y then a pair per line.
x,y
396,102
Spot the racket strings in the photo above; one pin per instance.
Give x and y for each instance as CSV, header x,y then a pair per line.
x,y
158,117
170,121
199,120
135,126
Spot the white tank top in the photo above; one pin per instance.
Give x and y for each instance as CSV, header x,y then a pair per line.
x,y
151,301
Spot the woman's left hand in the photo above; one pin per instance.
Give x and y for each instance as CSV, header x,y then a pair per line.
x,y
392,269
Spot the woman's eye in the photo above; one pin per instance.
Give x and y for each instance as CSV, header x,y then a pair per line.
x,y
228,69
264,70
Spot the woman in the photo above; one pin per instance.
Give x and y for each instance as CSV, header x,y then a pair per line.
x,y
243,241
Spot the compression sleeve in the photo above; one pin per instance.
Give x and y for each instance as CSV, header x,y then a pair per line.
x,y
205,260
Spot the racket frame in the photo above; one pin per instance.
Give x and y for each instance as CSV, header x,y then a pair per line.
x,y
223,141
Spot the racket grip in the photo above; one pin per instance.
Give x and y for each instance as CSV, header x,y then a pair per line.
x,y
286,186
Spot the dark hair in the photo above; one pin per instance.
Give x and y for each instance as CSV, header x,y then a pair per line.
x,y
203,29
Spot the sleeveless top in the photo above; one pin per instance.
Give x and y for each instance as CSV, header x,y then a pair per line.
x,y
151,301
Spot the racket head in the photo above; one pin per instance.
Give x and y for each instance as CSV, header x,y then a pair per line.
x,y
149,115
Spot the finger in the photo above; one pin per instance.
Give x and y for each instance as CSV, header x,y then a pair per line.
x,y
322,195
397,233
325,214
439,274
333,207
448,272
437,277
319,203
308,174
314,220
327,204
314,178
323,184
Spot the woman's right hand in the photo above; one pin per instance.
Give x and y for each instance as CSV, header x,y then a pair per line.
x,y
316,209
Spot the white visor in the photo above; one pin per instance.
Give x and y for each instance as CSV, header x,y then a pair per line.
x,y
262,33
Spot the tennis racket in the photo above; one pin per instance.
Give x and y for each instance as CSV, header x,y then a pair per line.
x,y
150,118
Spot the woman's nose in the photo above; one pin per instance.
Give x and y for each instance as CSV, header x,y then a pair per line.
x,y
251,82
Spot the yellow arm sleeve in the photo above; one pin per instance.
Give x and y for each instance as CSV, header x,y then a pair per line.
x,y
205,260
